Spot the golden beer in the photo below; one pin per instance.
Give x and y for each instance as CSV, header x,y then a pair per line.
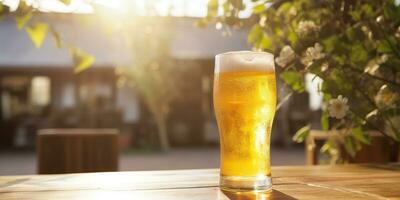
x,y
244,103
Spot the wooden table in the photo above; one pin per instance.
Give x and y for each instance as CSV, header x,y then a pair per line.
x,y
300,182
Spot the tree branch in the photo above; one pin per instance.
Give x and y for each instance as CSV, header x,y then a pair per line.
x,y
372,125
372,76
383,32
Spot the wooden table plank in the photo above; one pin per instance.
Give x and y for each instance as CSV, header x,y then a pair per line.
x,y
192,194
117,181
300,182
280,192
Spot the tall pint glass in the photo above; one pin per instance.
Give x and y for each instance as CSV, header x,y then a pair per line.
x,y
244,104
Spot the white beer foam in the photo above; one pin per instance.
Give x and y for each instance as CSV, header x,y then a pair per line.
x,y
244,61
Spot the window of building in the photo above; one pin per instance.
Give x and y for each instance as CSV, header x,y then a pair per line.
x,y
40,91
313,84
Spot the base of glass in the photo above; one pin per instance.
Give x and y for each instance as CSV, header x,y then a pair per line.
x,y
245,183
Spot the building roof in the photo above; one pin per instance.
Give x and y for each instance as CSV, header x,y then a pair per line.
x,y
187,42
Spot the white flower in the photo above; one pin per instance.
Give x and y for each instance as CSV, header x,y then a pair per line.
x,y
324,66
312,53
380,19
365,29
338,107
371,114
306,60
383,58
385,97
286,56
397,34
306,27
372,67
374,64
315,52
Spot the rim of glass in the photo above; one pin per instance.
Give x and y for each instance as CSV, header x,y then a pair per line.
x,y
244,52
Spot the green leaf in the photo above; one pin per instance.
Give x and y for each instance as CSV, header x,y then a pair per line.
x,y
285,7
292,37
367,10
350,146
22,20
358,53
384,45
340,59
389,11
327,146
359,135
330,43
258,8
66,2
350,33
265,42
302,134
294,79
325,121
255,34
37,33
326,96
81,59
212,8
226,7
278,32
355,15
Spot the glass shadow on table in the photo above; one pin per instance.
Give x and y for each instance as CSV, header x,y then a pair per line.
x,y
269,195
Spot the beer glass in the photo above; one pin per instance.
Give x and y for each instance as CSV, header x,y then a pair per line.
x,y
244,104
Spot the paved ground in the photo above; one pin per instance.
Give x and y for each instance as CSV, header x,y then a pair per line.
x,y
15,163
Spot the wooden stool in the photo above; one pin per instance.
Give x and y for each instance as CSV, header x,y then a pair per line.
x,y
380,151
77,150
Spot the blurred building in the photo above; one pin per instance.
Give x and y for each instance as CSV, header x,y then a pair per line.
x,y
39,89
